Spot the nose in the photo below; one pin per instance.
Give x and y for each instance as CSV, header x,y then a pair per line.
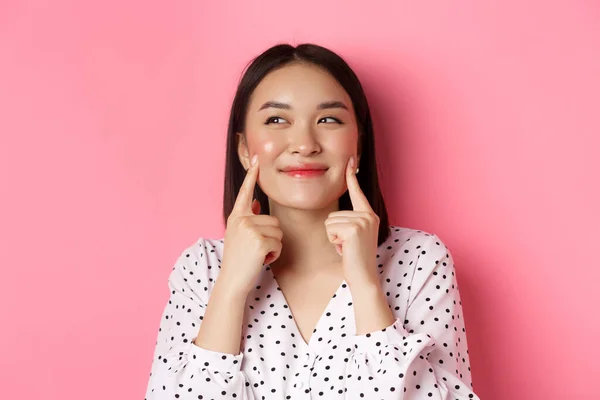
x,y
303,141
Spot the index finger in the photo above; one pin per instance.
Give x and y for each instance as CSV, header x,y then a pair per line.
x,y
357,197
243,202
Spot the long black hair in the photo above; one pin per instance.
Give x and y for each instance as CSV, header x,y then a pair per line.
x,y
274,58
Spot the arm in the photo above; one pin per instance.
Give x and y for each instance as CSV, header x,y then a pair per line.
x,y
420,358
221,328
180,368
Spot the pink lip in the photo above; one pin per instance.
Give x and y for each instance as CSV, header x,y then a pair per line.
x,y
307,170
304,167
305,173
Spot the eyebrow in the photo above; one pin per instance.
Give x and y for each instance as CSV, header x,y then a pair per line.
x,y
322,106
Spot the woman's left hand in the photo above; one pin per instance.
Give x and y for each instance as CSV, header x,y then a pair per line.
x,y
355,234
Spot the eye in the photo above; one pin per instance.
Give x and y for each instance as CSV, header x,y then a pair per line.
x,y
272,119
333,118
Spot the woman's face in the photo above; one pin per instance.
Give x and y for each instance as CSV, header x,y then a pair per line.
x,y
300,115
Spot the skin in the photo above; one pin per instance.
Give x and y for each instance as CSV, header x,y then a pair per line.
x,y
301,134
306,233
315,232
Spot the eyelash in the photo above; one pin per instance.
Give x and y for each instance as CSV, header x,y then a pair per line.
x,y
268,121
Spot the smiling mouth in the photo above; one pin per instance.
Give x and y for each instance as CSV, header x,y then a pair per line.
x,y
305,173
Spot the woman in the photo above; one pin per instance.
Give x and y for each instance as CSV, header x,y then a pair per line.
x,y
311,294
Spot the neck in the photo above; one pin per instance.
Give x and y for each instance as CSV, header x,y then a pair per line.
x,y
306,248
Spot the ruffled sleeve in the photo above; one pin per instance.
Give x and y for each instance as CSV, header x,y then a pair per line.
x,y
180,369
424,356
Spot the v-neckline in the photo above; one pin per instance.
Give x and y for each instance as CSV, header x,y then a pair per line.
x,y
297,332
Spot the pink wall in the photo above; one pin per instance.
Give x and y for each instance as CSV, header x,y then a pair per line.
x,y
113,118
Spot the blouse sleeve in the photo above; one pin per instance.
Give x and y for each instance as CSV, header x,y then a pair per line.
x,y
425,357
180,369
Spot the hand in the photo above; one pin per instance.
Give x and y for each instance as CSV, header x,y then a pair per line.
x,y
355,234
251,240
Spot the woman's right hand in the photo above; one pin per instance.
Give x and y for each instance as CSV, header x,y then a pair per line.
x,y
251,240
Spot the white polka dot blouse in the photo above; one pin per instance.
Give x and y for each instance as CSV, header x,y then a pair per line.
x,y
422,355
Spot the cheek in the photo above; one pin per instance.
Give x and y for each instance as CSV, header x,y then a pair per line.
x,y
267,149
259,144
344,144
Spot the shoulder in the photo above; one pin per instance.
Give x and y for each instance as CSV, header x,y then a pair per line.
x,y
197,266
404,240
407,250
411,259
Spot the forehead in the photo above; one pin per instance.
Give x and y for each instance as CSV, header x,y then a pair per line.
x,y
300,85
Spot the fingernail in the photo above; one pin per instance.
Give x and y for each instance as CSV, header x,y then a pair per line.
x,y
352,161
254,159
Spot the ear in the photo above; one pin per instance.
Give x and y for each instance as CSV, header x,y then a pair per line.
x,y
242,150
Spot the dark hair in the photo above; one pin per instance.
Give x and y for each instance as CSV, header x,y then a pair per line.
x,y
279,56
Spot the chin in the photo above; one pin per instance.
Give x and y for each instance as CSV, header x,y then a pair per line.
x,y
303,201
308,206
304,195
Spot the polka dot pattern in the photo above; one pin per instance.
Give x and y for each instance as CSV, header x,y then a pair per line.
x,y
422,355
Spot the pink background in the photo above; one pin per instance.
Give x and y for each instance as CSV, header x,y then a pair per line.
x,y
113,118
